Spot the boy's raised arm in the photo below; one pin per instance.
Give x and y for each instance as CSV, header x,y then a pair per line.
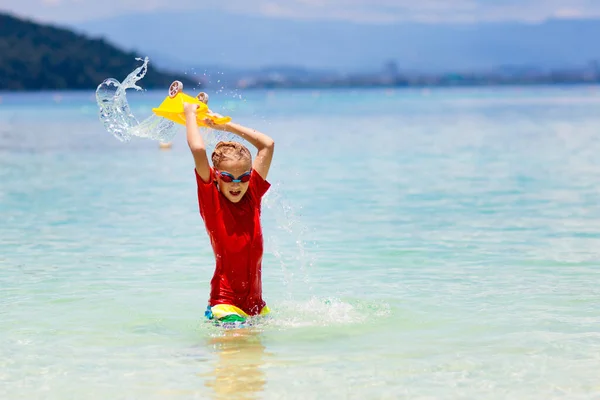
x,y
196,143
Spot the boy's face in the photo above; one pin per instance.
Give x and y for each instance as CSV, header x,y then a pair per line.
x,y
233,191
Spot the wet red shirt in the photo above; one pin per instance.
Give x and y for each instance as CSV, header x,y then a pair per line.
x,y
236,237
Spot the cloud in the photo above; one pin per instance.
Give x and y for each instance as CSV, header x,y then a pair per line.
x,y
355,10
433,11
365,11
569,13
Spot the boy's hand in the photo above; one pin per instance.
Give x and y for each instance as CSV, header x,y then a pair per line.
x,y
190,109
219,127
209,122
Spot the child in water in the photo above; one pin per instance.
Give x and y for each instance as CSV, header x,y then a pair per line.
x,y
229,197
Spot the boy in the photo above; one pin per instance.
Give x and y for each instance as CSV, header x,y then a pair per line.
x,y
229,197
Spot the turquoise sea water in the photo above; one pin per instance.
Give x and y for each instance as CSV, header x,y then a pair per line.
x,y
420,244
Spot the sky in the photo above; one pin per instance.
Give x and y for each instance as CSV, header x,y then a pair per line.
x,y
362,11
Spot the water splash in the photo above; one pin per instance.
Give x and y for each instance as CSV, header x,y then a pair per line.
x,y
288,242
323,312
116,114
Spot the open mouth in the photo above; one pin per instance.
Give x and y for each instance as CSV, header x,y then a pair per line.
x,y
235,193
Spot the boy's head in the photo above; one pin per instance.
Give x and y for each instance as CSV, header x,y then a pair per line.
x,y
232,162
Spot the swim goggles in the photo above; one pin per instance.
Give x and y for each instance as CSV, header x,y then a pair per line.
x,y
228,178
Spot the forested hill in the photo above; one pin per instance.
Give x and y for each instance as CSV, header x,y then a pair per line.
x,y
35,57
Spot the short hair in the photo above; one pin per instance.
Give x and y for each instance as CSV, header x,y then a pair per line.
x,y
229,151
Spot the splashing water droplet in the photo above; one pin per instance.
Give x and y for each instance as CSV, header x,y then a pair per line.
x,y
116,114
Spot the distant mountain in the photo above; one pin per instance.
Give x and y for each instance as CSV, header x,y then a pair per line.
x,y
34,57
186,39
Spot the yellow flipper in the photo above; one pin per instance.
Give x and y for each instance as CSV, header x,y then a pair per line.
x,y
172,109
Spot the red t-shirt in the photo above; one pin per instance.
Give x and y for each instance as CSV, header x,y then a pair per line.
x,y
236,237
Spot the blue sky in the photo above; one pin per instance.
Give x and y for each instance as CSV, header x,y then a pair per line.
x,y
367,11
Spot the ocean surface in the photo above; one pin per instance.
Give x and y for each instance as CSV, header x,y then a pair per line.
x,y
419,244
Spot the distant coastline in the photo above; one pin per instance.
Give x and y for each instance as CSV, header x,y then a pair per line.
x,y
391,77
447,80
